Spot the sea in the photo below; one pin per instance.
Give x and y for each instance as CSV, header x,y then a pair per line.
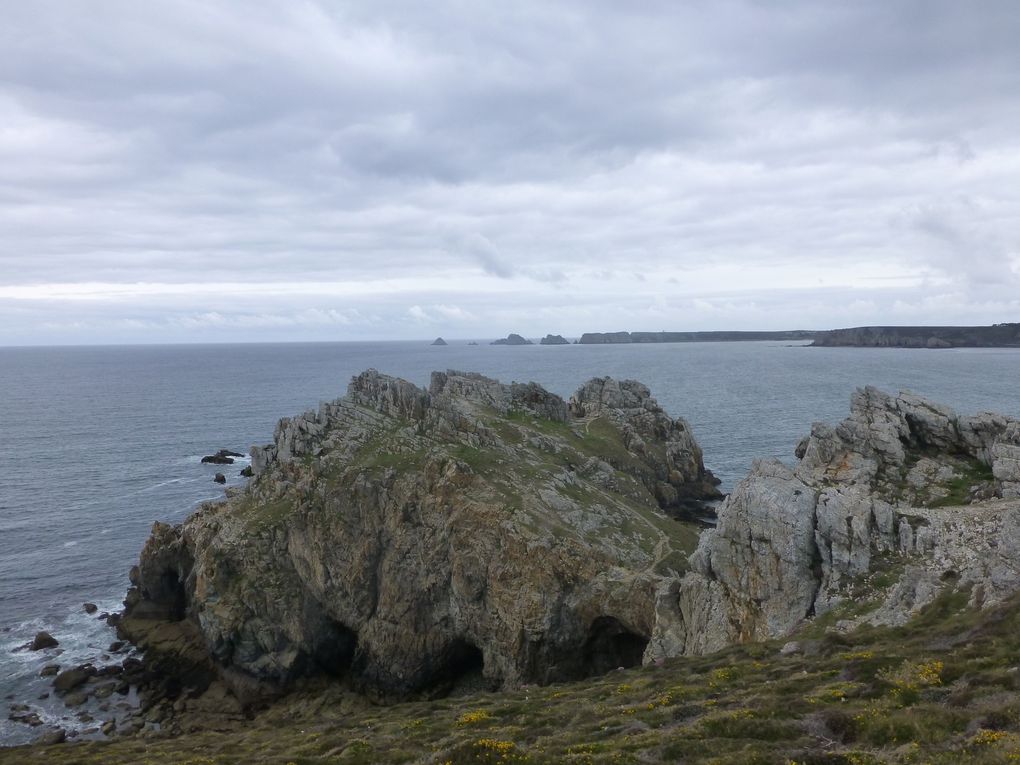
x,y
97,443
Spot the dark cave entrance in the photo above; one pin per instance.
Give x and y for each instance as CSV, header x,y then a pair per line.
x,y
174,597
333,654
461,669
610,645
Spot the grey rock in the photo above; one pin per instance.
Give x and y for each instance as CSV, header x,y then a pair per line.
x,y
43,640
407,536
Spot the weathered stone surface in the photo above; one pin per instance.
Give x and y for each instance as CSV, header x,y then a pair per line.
x,y
792,542
408,537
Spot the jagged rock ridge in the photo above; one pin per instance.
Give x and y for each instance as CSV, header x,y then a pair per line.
x,y
874,515
408,537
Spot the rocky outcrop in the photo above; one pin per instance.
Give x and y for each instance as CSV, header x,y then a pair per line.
x,y
871,515
222,457
406,538
512,339
439,341
554,340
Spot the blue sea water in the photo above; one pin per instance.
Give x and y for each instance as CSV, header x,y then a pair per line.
x,y
96,443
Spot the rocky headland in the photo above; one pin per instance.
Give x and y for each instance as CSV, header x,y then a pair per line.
x,y
994,336
406,538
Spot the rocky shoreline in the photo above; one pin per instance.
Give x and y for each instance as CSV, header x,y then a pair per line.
x,y
404,542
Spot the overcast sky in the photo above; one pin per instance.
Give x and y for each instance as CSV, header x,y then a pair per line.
x,y
209,171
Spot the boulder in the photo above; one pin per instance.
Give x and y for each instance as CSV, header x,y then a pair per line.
x,y
49,670
222,457
43,640
220,478
90,608
51,738
70,679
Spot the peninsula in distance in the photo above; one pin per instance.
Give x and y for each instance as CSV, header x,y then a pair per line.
x,y
1005,335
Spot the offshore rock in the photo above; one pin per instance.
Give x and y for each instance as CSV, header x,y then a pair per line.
x,y
554,340
870,514
512,339
407,538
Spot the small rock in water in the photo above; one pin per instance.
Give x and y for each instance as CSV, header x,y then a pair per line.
x,y
220,478
75,699
115,646
43,640
90,608
247,472
49,670
70,679
222,457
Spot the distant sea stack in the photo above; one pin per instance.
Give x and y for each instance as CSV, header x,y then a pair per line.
x,y
604,338
995,336
553,340
439,341
512,339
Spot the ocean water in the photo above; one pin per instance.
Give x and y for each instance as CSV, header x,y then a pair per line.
x,y
97,443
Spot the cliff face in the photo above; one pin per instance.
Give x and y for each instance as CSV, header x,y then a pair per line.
x,y
996,335
901,500
408,537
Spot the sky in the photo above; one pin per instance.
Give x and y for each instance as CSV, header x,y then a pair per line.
x,y
203,171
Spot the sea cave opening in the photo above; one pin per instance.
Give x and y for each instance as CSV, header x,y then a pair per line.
x,y
172,589
610,645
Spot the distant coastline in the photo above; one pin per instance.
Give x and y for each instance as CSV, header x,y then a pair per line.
x,y
1005,335
604,338
994,336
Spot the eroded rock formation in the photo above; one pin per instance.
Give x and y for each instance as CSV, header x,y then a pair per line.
x,y
901,500
407,537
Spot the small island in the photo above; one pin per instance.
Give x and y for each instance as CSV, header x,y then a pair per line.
x,y
554,340
512,339
439,341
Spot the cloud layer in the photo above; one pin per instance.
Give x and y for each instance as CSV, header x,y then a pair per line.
x,y
302,170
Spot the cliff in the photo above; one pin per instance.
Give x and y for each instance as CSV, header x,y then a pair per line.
x,y
408,539
994,336
901,502
609,338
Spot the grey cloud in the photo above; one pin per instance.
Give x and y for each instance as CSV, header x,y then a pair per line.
x,y
507,153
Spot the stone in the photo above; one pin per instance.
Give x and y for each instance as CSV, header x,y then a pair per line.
x,y
75,699
220,478
43,640
49,670
90,608
247,472
116,646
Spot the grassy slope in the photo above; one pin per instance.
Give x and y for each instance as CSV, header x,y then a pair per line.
x,y
945,689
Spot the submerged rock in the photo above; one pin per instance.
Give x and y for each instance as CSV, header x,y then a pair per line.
x,y
409,538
